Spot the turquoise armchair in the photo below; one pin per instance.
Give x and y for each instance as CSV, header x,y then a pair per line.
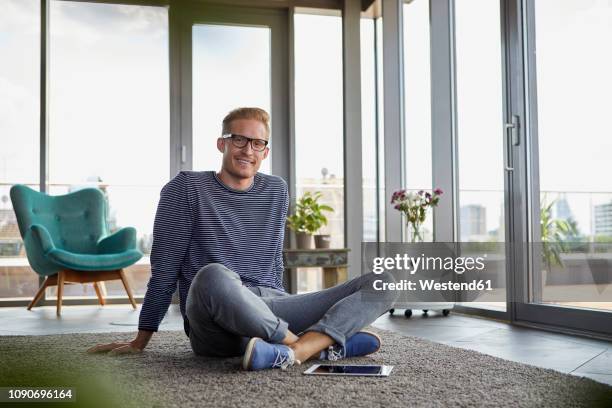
x,y
67,241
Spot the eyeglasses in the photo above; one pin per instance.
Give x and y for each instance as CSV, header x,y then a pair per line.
x,y
240,141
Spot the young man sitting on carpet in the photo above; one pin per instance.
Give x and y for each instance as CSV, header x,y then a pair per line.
x,y
220,237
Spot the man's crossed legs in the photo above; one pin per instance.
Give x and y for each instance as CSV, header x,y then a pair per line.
x,y
227,319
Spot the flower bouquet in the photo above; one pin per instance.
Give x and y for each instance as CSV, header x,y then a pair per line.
x,y
414,206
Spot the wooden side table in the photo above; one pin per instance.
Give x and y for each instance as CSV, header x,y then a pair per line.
x,y
334,262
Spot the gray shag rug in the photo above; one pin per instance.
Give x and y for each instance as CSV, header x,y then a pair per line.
x,y
168,374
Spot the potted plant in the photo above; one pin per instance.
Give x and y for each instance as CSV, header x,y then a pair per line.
x,y
414,206
555,233
307,219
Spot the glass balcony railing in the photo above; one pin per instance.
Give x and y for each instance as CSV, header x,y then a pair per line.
x,y
583,263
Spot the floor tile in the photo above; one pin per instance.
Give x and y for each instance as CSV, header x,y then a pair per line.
x,y
434,333
531,348
536,347
81,319
602,364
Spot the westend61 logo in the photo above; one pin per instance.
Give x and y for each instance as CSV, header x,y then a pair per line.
x,y
405,262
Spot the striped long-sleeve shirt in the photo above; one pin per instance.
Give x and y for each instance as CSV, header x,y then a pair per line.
x,y
200,220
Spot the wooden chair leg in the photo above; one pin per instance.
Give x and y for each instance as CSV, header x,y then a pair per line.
x,y
60,291
49,280
99,294
102,285
127,288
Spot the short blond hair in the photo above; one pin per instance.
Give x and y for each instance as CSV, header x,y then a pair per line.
x,y
246,113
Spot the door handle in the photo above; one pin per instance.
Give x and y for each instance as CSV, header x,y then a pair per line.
x,y
183,154
512,139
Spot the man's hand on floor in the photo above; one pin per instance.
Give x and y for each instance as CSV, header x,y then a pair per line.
x,y
115,348
135,346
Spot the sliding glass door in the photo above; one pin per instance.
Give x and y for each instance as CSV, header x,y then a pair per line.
x,y
231,57
108,117
231,68
103,116
562,220
480,139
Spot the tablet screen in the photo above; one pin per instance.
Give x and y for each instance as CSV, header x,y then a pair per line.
x,y
348,369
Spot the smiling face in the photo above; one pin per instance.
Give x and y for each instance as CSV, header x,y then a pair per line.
x,y
243,162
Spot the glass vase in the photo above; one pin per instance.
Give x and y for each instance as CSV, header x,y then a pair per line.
x,y
414,232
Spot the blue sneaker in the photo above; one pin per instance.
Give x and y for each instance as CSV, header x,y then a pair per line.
x,y
360,344
260,355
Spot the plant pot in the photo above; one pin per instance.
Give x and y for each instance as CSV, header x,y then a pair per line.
x,y
303,240
322,241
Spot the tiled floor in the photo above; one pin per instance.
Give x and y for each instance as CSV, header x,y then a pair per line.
x,y
81,319
569,354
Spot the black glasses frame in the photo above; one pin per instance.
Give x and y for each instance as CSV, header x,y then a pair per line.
x,y
248,140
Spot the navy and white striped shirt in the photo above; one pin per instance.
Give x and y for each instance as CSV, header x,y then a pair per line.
x,y
200,220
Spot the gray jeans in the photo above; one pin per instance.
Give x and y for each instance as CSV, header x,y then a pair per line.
x,y
223,314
